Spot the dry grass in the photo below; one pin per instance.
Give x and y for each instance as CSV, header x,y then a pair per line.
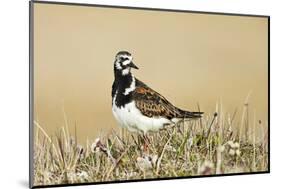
x,y
207,146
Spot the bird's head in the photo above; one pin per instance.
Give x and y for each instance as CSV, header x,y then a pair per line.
x,y
124,62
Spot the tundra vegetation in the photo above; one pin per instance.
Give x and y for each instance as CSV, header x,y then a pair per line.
x,y
218,143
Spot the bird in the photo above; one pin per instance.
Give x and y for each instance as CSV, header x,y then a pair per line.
x,y
136,106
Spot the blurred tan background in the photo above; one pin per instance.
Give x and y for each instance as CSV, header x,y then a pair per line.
x,y
189,58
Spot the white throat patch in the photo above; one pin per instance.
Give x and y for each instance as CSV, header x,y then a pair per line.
x,y
126,71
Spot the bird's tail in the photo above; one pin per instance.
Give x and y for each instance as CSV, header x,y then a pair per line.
x,y
188,114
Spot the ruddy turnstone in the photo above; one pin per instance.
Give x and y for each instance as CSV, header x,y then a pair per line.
x,y
136,106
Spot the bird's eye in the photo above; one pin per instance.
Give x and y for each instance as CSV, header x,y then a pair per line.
x,y
124,58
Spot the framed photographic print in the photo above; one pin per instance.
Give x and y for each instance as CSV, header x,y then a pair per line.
x,y
123,94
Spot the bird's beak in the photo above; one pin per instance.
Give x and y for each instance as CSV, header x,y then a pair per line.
x,y
132,65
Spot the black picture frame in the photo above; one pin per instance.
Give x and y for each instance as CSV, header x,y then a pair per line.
x,y
31,89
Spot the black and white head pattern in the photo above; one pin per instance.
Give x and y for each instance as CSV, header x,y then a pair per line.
x,y
124,62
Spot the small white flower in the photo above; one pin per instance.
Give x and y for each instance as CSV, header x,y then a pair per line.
x,y
236,145
221,148
231,144
238,152
82,175
144,163
232,152
94,147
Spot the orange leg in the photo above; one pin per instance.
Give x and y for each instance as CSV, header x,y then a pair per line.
x,y
146,143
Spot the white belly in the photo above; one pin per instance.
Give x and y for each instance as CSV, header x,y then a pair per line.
x,y
131,118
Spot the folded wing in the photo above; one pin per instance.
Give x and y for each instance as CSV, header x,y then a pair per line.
x,y
153,104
